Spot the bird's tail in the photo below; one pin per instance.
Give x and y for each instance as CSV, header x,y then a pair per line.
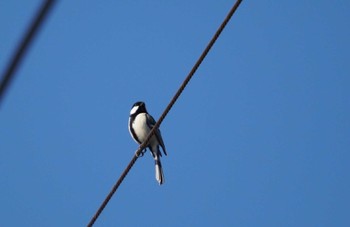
x,y
159,170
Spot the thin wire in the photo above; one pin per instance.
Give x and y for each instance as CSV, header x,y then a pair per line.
x,y
10,70
170,105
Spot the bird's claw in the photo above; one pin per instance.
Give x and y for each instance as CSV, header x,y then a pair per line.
x,y
141,154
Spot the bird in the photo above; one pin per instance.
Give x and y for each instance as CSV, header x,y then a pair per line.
x,y
140,124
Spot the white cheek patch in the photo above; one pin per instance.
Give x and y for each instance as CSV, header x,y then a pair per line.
x,y
134,109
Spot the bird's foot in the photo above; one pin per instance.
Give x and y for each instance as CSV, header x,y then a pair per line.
x,y
141,153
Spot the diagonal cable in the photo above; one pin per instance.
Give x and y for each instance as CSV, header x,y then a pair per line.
x,y
10,70
170,105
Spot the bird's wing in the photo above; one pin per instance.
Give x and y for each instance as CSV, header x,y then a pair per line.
x,y
151,122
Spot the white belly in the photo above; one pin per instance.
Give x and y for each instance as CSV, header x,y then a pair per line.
x,y
141,129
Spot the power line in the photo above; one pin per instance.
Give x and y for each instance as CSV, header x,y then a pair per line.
x,y
10,70
170,105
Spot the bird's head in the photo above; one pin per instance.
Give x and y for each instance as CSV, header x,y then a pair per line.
x,y
138,107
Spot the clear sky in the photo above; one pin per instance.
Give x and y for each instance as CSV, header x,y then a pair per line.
x,y
260,137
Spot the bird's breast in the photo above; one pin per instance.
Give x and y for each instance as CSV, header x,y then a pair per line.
x,y
140,127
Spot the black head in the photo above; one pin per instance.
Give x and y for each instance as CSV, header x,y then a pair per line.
x,y
138,107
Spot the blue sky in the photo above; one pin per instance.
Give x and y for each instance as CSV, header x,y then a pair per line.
x,y
260,137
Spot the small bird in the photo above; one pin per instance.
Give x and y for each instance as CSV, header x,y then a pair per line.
x,y
140,124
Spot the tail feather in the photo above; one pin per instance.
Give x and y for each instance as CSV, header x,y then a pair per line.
x,y
159,171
